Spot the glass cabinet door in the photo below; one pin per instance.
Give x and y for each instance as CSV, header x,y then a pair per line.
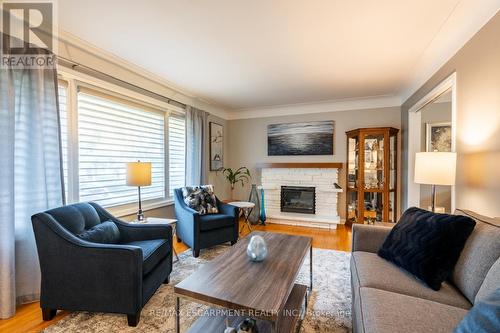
x,y
352,178
374,207
392,177
372,175
374,162
353,162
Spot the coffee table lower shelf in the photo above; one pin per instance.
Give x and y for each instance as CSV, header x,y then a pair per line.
x,y
286,323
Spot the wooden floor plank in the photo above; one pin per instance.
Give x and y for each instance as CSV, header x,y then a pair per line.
x,y
28,317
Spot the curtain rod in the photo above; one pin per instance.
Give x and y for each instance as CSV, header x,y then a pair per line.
x,y
74,65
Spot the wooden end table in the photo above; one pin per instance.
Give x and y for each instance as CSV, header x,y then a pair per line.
x,y
275,300
157,220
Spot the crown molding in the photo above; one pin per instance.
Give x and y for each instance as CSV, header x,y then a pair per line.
x,y
374,102
174,92
464,22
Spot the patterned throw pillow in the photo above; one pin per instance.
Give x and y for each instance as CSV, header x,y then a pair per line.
x,y
201,199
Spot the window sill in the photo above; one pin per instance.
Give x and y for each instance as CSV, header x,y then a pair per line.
x,y
129,209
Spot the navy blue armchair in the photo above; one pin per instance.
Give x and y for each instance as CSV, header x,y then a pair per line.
x,y
203,231
79,275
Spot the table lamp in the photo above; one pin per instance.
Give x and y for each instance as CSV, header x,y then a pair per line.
x,y
139,174
435,168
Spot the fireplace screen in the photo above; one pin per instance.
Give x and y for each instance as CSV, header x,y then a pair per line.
x,y
298,199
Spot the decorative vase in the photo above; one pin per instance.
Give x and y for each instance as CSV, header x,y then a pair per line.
x,y
257,248
263,217
254,197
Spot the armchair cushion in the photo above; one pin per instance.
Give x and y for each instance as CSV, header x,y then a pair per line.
x,y
153,251
77,217
106,233
215,221
200,198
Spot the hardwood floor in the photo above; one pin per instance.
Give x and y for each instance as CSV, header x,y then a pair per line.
x,y
29,317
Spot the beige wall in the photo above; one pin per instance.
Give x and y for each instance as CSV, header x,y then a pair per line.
x,y
248,140
477,66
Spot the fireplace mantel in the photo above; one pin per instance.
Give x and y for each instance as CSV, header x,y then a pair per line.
x,y
315,165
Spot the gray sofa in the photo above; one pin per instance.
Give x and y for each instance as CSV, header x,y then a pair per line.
x,y
386,299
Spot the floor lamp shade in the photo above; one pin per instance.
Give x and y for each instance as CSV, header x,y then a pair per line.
x,y
435,168
139,173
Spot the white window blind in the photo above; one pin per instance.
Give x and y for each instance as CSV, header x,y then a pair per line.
x,y
177,151
112,132
63,117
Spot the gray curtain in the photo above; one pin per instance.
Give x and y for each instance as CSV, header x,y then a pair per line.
x,y
31,176
196,147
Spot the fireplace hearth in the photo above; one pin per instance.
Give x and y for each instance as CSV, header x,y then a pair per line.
x,y
298,199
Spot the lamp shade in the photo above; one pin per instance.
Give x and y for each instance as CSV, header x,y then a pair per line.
x,y
139,173
435,168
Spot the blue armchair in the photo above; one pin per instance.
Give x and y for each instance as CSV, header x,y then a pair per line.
x,y
203,231
80,275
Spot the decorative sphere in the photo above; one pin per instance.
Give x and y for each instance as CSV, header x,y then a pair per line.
x,y
257,248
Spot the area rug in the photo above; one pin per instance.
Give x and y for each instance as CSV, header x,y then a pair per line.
x,y
329,308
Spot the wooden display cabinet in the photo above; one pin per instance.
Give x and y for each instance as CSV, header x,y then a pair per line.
x,y
372,174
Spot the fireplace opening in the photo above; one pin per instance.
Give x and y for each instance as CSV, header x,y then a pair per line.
x,y
298,199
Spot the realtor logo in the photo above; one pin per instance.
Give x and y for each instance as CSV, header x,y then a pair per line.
x,y
28,38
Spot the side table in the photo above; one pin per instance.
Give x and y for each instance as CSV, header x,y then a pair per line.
x,y
156,220
245,208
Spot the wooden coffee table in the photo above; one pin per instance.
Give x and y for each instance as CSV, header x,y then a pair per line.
x,y
265,290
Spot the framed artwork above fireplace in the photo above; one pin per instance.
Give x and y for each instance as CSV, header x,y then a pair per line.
x,y
306,138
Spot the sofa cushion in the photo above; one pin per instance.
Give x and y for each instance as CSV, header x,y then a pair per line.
x,y
200,198
490,283
153,251
369,270
427,244
480,252
106,233
387,312
215,221
484,315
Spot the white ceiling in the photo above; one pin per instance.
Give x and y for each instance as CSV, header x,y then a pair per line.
x,y
250,54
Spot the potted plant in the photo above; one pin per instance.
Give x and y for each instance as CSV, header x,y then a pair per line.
x,y
241,175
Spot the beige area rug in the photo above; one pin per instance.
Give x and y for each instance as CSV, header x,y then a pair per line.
x,y
329,307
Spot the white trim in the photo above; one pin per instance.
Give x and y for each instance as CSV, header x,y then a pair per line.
x,y
319,107
69,74
129,209
415,134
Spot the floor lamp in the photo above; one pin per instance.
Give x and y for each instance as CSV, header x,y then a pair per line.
x,y
139,174
435,168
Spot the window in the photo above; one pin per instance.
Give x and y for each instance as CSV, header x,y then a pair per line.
x,y
177,151
111,131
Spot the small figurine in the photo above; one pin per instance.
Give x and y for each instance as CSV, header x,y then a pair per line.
x,y
248,326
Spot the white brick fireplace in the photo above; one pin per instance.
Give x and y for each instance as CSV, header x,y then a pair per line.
x,y
322,179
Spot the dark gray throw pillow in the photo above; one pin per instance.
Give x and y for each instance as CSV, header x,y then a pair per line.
x,y
427,244
106,233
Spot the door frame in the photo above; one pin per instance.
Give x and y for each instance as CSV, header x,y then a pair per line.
x,y
415,135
